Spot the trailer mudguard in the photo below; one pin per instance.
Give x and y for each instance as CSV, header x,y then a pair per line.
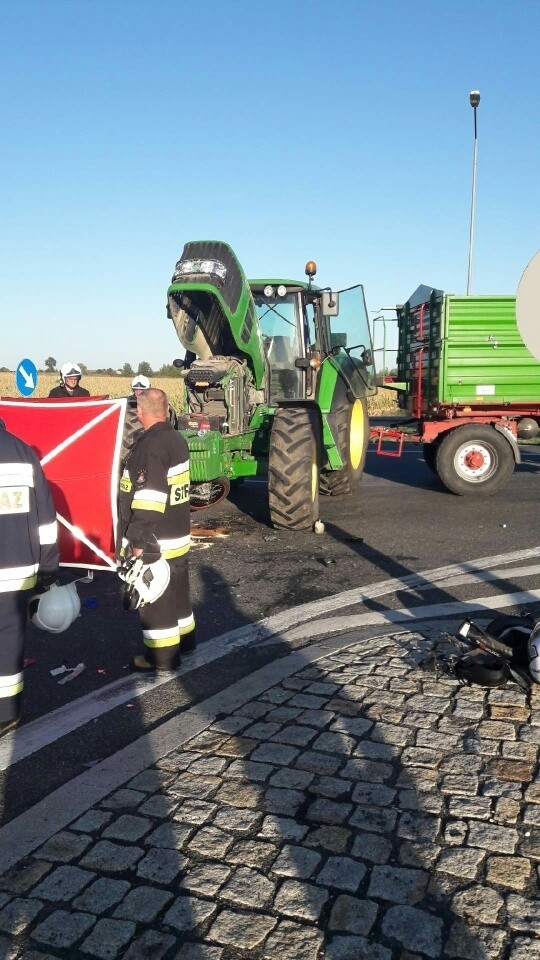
x,y
508,435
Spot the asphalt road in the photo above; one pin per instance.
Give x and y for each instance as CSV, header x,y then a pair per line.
x,y
403,521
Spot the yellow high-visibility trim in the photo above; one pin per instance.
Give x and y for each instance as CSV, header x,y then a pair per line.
x,y
15,689
178,468
171,543
147,494
147,505
178,478
184,628
24,583
178,552
162,641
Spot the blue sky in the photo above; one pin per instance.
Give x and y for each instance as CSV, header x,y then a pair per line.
x,y
336,131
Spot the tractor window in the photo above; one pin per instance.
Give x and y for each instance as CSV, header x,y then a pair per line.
x,y
278,321
351,327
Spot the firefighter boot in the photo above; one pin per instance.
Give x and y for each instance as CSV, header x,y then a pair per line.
x,y
188,642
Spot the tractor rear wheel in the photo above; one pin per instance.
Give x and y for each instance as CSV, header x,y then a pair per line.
x,y
293,468
474,460
351,424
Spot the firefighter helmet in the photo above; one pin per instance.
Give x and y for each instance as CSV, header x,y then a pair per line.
x,y
56,608
70,369
140,382
143,582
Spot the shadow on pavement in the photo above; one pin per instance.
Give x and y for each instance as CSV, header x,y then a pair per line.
x,y
334,804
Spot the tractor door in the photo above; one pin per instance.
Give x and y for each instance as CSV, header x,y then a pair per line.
x,y
345,334
282,335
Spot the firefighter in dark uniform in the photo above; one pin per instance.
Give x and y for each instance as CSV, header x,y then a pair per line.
x,y
70,379
154,521
28,549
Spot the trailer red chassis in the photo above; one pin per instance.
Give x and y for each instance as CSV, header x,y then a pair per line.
x,y
472,448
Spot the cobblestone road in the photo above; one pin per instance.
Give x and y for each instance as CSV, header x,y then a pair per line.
x,y
360,808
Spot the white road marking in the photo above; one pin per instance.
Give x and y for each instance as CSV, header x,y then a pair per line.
x,y
416,614
487,575
51,727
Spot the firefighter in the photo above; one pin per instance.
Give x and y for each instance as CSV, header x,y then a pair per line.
x,y
70,378
28,547
154,522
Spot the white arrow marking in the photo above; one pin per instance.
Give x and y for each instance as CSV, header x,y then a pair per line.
x,y
28,377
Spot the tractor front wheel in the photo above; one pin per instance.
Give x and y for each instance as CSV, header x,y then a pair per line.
x,y
350,425
132,431
293,468
474,460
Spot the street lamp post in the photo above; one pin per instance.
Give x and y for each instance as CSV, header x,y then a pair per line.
x,y
474,99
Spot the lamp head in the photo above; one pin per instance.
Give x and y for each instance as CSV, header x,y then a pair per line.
x,y
474,98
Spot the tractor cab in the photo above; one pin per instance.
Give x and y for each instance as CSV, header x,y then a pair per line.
x,y
302,325
278,304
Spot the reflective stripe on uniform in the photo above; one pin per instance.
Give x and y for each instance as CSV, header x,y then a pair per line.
x,y
17,474
11,686
48,533
186,625
18,578
125,482
174,546
149,500
178,469
167,637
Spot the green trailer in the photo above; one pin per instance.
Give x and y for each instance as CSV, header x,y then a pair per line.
x,y
471,387
277,373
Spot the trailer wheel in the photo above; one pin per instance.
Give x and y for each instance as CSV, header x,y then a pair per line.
x,y
352,427
474,460
293,468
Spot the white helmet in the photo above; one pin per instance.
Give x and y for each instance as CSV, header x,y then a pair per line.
x,y
534,652
144,582
70,369
56,608
140,382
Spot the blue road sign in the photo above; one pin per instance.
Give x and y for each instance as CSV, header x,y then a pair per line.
x,y
26,377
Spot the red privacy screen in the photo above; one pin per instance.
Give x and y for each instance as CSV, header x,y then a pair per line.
x,y
78,443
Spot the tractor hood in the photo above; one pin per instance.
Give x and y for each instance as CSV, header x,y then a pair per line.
x,y
210,303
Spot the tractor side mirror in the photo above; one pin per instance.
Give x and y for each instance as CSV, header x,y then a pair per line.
x,y
329,303
367,358
302,363
178,363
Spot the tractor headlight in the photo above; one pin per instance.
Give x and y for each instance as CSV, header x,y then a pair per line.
x,y
211,268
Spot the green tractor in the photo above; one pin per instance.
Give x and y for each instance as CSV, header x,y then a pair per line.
x,y
276,375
